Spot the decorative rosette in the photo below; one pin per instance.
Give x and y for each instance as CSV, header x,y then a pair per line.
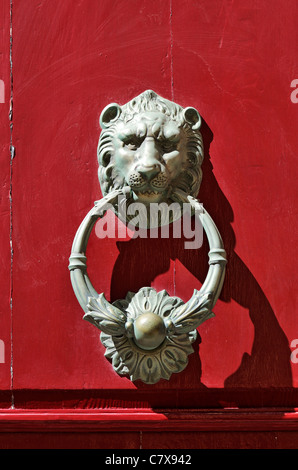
x,y
148,335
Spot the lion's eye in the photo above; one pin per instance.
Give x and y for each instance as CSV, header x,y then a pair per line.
x,y
167,146
133,143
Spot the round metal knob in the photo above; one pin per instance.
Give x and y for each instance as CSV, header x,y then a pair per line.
x,y
149,331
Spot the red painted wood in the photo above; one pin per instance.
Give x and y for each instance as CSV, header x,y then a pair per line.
x,y
147,440
120,420
59,95
240,81
221,440
69,440
68,62
5,211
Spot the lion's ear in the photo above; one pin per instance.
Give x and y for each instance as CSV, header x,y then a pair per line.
x,y
193,118
109,115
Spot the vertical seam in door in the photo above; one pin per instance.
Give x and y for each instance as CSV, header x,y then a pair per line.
x,y
171,51
12,154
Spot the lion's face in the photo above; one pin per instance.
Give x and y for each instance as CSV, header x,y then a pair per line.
x,y
151,146
149,155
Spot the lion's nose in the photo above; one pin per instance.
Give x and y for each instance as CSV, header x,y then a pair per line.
x,y
148,171
148,165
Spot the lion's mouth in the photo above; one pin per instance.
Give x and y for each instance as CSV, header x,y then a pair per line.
x,y
148,195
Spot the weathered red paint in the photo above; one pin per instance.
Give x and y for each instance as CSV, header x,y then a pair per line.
x,y
234,62
5,212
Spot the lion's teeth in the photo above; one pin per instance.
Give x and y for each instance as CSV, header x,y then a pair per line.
x,y
148,193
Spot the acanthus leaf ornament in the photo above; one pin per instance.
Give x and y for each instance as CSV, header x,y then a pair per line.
x,y
150,152
105,316
191,315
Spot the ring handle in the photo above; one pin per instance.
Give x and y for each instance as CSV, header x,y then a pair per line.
x,y
148,335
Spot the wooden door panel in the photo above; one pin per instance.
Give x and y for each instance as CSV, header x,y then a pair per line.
x,y
61,85
240,80
5,206
68,63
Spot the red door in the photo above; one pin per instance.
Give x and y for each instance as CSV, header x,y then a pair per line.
x,y
61,64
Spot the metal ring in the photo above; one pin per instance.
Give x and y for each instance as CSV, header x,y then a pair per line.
x,y
148,335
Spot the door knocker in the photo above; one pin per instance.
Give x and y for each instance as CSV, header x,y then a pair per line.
x,y
150,153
